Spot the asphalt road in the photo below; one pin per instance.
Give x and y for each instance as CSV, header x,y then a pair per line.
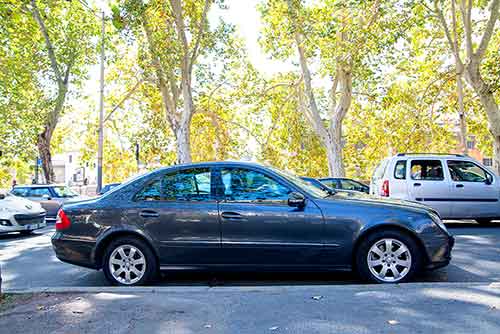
x,y
29,262
354,309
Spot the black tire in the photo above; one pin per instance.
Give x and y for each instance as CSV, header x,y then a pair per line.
x,y
484,221
361,256
151,265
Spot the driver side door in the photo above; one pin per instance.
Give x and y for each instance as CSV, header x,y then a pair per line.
x,y
259,227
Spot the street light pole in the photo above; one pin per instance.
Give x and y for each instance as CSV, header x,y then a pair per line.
x,y
100,142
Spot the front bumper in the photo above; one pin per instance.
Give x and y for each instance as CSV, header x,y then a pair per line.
x,y
440,256
22,222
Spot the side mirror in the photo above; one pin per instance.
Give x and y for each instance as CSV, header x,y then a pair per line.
x,y
46,197
296,200
2,196
489,179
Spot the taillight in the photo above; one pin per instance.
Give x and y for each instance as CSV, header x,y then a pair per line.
x,y
62,222
385,189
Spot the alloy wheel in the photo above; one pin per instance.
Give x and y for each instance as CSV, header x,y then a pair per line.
x,y
127,264
389,260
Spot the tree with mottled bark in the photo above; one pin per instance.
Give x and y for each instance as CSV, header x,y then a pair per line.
x,y
469,57
339,39
174,35
59,35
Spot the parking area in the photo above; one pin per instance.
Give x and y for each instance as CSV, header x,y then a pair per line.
x,y
29,262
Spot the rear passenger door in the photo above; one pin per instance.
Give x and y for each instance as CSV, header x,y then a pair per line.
x,y
429,185
474,192
178,209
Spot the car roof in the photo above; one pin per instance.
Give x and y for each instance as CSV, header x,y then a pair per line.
x,y
38,185
431,155
216,164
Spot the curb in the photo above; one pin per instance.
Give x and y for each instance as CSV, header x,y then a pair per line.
x,y
224,289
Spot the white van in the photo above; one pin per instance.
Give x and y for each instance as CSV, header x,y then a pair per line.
x,y
456,186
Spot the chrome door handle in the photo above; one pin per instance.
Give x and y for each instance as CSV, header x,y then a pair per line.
x,y
232,215
459,185
417,184
149,214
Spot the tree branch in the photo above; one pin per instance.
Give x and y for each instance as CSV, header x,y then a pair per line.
x,y
200,34
50,48
442,19
485,40
125,98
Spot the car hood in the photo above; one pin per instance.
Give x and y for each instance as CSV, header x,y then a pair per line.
x,y
369,199
19,205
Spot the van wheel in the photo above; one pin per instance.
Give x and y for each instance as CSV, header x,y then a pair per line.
x,y
388,257
129,261
484,221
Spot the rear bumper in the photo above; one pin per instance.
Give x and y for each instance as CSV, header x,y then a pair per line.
x,y
73,251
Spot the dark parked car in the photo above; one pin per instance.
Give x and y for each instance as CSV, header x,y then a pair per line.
x,y
345,184
317,183
108,187
50,196
236,215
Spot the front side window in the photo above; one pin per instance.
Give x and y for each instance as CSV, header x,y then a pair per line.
x,y
400,170
429,170
251,186
39,192
21,192
64,192
331,183
350,185
185,185
466,171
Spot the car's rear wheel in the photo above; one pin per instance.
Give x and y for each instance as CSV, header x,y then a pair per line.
x,y
388,257
129,261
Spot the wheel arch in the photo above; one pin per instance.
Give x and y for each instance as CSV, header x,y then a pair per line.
x,y
387,227
113,235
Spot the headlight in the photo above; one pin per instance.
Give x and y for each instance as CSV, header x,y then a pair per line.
x,y
435,218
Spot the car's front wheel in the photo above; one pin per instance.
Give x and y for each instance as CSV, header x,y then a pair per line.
x,y
388,257
129,261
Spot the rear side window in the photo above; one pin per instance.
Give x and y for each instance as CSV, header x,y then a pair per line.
x,y
430,170
380,170
400,170
185,185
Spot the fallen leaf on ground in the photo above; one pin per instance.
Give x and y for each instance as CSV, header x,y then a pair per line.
x,y
273,328
77,312
40,307
392,322
208,326
317,297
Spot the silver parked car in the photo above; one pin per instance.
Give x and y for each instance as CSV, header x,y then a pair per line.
x,y
19,214
50,196
456,186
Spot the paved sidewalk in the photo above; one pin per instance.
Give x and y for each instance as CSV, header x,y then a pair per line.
x,y
409,308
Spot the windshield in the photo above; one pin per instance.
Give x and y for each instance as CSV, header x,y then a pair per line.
x,y
65,192
306,186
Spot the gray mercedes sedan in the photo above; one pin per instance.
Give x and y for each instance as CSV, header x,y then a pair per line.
x,y
238,215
